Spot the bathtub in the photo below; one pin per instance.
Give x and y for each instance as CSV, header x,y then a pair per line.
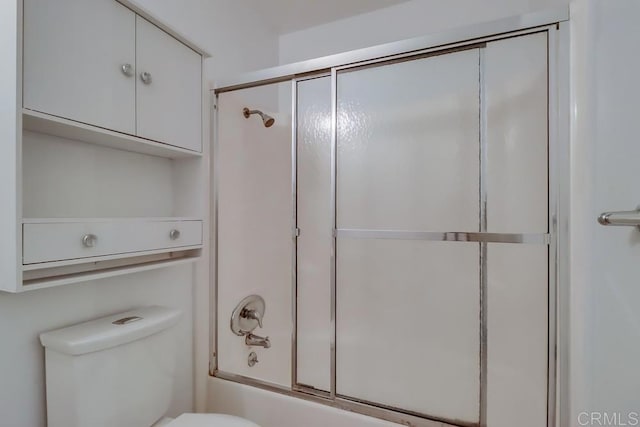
x,y
271,409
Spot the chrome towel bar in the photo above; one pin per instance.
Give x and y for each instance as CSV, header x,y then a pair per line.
x,y
621,218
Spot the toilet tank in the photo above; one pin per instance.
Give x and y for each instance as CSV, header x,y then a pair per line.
x,y
113,371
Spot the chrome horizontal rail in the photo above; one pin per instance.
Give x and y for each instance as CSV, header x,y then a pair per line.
x,y
436,236
621,218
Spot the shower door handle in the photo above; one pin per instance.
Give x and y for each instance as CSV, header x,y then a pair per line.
x,y
621,218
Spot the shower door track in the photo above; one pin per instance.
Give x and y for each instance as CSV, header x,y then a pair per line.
x,y
554,23
475,34
387,413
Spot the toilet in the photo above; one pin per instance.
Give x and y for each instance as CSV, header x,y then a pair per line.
x,y
118,371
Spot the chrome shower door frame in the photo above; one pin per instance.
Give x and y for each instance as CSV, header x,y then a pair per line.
x,y
556,25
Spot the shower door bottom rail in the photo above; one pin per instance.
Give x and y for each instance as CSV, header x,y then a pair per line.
x,y
375,410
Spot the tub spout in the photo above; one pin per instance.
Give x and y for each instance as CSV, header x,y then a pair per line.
x,y
256,340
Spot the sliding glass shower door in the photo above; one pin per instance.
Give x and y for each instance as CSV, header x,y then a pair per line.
x,y
408,305
423,255
398,221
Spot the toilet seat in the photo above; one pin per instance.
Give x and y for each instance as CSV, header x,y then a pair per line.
x,y
210,420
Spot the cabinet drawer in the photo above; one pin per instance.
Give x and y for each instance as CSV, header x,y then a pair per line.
x,y
59,241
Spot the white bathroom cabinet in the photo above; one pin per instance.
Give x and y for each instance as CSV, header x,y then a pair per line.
x,y
123,73
103,169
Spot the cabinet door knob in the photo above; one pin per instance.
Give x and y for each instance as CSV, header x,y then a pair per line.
x,y
145,77
89,240
127,70
174,234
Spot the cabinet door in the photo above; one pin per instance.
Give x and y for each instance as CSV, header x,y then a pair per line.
x,y
169,100
74,51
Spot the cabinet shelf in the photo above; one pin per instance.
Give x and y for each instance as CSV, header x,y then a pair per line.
x,y
69,129
110,219
103,270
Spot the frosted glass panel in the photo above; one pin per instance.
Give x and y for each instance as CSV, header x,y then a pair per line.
x,y
255,219
314,243
408,330
517,277
515,78
408,145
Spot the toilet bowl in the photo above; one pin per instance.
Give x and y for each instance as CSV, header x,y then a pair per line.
x,y
127,360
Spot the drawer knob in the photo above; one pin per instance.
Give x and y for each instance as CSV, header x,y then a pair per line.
x,y
174,234
127,70
89,240
146,77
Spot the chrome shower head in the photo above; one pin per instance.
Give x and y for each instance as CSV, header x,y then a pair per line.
x,y
266,119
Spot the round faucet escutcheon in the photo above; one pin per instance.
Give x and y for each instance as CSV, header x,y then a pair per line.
x,y
248,315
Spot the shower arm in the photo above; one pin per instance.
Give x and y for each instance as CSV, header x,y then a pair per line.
x,y
267,120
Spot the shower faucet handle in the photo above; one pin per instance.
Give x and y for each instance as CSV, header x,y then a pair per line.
x,y
247,315
252,314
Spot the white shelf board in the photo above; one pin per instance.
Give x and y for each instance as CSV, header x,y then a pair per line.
x,y
94,259
111,219
64,128
102,274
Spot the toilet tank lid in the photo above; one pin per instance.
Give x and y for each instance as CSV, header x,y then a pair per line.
x,y
110,331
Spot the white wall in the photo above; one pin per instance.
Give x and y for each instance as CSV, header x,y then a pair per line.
x,y
233,33
411,19
605,272
254,220
239,42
